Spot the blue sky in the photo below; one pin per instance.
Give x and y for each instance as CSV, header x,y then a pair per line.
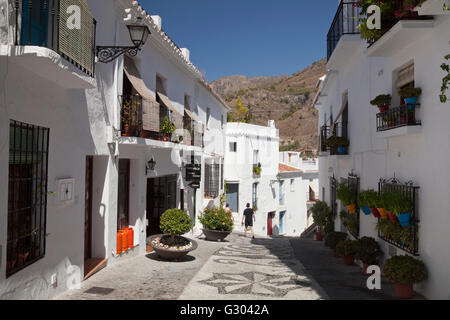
x,y
248,37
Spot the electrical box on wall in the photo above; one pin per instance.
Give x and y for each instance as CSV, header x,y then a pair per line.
x,y
66,189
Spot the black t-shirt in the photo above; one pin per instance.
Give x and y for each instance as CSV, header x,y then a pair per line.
x,y
248,213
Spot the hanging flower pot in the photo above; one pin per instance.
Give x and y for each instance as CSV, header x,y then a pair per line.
x,y
392,217
366,210
375,212
382,213
342,150
351,208
382,101
404,219
410,95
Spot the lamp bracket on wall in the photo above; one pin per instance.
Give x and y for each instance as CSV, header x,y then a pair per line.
x,y
109,54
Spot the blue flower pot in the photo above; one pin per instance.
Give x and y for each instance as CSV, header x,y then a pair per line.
x,y
411,102
342,150
366,210
405,219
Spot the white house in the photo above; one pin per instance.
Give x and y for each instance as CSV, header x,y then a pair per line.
x,y
410,152
82,148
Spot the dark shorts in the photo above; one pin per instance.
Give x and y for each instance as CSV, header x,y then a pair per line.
x,y
248,223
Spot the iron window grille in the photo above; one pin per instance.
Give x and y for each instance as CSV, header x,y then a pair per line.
x,y
27,195
398,117
131,115
212,178
43,23
255,195
353,184
411,191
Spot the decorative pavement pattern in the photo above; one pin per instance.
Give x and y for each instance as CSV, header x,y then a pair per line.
x,y
247,269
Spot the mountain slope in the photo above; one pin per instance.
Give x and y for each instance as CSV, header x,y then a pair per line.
x,y
285,99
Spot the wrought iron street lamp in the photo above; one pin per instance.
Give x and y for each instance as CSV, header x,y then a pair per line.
x,y
150,166
139,33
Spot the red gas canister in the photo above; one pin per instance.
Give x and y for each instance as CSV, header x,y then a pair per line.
x,y
130,238
119,241
124,240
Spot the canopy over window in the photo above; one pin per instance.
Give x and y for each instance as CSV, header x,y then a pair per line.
x,y
150,107
177,118
405,76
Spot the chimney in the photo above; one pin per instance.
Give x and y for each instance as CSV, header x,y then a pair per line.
x,y
158,21
271,124
186,53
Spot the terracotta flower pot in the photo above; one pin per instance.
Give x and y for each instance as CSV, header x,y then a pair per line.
x,y
351,208
349,260
383,108
404,290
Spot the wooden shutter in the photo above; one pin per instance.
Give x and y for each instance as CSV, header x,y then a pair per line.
x,y
77,44
405,76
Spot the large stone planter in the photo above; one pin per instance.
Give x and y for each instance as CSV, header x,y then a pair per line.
x,y
214,235
171,254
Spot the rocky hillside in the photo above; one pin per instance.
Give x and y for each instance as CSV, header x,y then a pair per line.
x,y
285,99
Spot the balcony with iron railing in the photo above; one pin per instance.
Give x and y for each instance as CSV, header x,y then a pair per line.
x,y
41,27
403,116
337,130
187,131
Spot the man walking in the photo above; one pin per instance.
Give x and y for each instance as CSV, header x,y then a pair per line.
x,y
249,217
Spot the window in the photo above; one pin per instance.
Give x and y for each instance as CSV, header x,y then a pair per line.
x,y
123,204
292,185
160,84
282,192
255,157
221,121
27,195
212,177
233,146
255,195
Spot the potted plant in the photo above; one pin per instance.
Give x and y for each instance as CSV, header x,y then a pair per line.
x,y
129,127
363,203
381,205
347,249
402,208
346,195
167,128
256,170
322,216
217,223
404,271
368,252
410,95
382,101
255,208
389,201
371,198
340,143
333,238
171,245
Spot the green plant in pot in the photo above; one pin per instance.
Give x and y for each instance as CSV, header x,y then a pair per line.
x,y
167,128
402,207
368,252
217,223
404,271
382,101
322,216
410,95
347,249
389,202
380,204
347,196
339,143
333,238
363,203
371,198
257,170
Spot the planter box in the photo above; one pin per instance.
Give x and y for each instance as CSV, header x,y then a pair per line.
x,y
214,235
169,254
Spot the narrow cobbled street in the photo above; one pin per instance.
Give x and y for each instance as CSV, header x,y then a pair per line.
x,y
237,269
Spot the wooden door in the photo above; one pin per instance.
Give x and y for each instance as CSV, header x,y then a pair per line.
x,y
123,203
269,223
88,209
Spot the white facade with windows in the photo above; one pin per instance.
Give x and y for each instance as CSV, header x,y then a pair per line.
x,y
98,176
411,52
